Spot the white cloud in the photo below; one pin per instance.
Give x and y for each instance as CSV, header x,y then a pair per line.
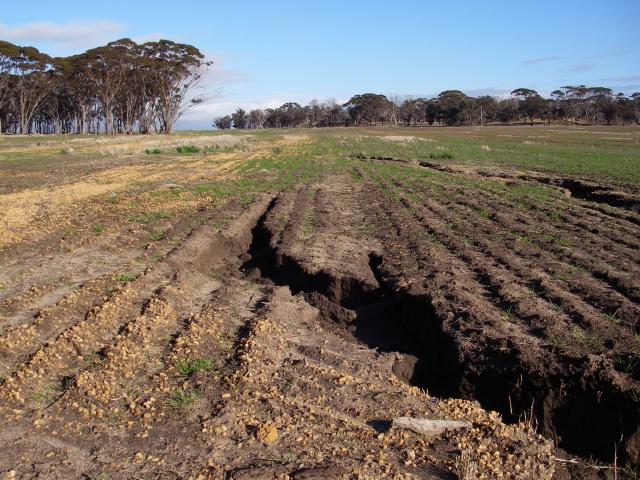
x,y
77,35
201,116
628,49
220,73
581,67
535,61
494,92
629,78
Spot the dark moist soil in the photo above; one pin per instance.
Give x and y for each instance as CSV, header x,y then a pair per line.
x,y
452,344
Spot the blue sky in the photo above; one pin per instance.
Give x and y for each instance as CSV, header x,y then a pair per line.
x,y
270,52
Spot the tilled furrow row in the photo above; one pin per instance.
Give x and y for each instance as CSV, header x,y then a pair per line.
x,y
201,357
600,294
557,276
22,340
627,219
292,230
127,361
446,276
136,364
593,294
78,345
508,293
538,282
593,213
544,231
529,231
282,210
517,302
626,284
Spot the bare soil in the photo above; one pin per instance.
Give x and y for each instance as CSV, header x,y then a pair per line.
x,y
278,338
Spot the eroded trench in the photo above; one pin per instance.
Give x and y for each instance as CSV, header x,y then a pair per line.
x,y
582,414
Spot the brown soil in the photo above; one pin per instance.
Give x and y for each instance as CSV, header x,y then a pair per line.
x,y
316,316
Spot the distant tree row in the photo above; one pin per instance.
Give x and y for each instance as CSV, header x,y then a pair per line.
x,y
570,104
121,87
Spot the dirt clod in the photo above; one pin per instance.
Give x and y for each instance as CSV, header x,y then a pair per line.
x,y
267,433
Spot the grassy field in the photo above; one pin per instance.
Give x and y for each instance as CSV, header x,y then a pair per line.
x,y
257,295
611,153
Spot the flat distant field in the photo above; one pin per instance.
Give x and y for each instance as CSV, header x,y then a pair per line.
x,y
263,304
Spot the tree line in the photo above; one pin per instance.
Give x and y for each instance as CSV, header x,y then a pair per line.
x,y
569,104
122,87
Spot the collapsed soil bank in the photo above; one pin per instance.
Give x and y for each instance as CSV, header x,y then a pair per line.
x,y
573,403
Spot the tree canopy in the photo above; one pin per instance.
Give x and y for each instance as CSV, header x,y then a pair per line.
x,y
121,87
570,104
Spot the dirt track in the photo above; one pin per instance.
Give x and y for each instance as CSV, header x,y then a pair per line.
x,y
317,314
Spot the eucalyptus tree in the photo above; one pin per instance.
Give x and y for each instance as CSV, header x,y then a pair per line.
x,y
431,111
124,87
55,115
8,55
451,104
507,110
635,105
336,116
470,111
105,67
489,107
128,103
177,69
79,93
31,83
240,119
368,107
256,119
223,123
410,111
531,104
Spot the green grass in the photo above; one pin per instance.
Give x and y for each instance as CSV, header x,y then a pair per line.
x,y
153,151
309,222
188,368
182,398
158,234
507,313
98,228
187,149
626,363
157,256
525,239
566,150
440,156
124,277
613,316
